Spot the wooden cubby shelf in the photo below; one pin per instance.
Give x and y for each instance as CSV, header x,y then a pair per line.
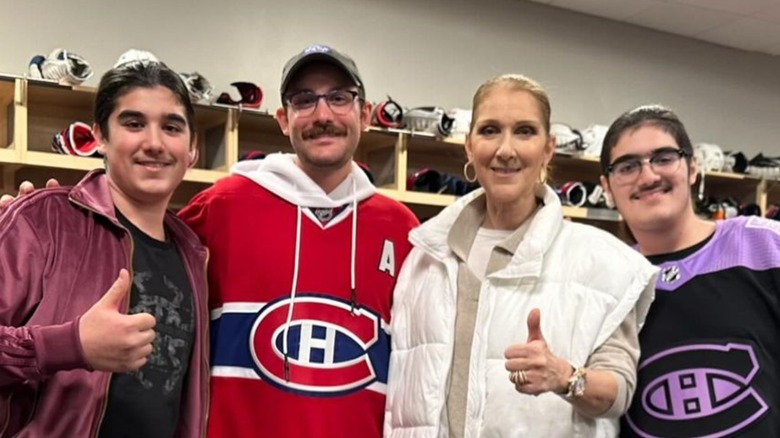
x,y
32,111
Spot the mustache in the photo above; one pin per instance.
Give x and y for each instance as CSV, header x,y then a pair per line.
x,y
151,157
651,187
321,129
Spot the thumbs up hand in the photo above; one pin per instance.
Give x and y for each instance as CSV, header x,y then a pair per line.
x,y
532,367
111,340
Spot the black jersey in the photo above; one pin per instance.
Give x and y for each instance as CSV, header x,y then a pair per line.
x,y
710,364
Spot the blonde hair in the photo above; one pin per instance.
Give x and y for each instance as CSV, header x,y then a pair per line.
x,y
519,83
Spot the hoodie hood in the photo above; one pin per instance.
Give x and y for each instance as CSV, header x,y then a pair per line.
x,y
279,174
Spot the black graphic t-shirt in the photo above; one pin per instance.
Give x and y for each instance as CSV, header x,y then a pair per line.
x,y
145,403
710,364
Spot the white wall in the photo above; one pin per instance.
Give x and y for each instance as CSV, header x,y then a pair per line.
x,y
425,52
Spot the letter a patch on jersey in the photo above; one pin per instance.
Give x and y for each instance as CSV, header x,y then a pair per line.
x,y
387,260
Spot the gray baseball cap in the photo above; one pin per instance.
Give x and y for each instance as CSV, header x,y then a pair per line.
x,y
321,53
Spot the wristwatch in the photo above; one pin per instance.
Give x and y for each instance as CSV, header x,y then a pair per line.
x,y
577,383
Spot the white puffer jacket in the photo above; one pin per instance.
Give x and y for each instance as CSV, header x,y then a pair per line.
x,y
584,280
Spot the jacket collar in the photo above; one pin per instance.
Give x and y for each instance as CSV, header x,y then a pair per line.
x,y
92,193
454,228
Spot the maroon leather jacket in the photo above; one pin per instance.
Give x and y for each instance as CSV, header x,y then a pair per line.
x,y
60,250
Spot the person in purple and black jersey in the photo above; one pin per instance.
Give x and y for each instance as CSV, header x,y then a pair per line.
x,y
710,364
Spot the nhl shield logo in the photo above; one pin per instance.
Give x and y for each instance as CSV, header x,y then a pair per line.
x,y
323,214
670,274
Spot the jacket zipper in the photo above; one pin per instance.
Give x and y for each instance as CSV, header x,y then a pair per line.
x,y
102,413
205,343
206,352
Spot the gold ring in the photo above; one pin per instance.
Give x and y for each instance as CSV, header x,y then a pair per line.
x,y
518,377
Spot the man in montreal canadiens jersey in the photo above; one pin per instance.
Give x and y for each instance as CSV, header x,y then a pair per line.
x,y
304,258
710,360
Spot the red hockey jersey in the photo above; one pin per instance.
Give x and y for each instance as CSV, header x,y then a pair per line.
x,y
300,297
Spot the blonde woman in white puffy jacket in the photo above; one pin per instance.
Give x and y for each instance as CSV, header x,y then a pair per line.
x,y
507,320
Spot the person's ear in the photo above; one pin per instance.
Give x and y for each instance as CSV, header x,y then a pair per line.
x,y
100,138
608,198
549,150
283,121
194,153
693,170
468,148
365,115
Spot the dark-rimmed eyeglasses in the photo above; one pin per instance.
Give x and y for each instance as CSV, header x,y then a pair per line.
x,y
339,101
664,161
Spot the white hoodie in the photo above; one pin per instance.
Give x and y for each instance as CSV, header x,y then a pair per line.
x,y
280,175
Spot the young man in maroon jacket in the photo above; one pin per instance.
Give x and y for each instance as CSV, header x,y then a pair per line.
x,y
103,319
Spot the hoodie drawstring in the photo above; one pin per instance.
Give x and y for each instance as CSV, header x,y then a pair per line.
x,y
292,294
352,291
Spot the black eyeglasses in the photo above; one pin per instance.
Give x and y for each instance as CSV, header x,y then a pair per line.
x,y
662,161
339,101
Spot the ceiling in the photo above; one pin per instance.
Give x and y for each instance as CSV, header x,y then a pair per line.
x,y
752,25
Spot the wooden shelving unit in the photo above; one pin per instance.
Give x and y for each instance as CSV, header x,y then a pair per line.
x,y
32,111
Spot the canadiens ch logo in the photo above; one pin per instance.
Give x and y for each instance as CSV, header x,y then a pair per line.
x,y
670,274
698,391
327,345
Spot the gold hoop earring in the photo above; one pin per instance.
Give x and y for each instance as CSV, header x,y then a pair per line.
x,y
543,176
466,172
